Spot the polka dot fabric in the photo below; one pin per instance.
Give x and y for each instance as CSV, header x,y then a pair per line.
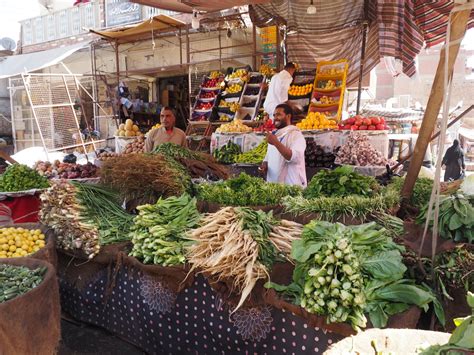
x,y
145,312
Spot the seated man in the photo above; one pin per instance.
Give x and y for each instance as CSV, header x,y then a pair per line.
x,y
167,133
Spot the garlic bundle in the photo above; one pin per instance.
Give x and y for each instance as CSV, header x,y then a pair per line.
x,y
357,150
61,211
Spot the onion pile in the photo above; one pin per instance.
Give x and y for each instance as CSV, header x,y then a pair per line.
x,y
358,151
58,170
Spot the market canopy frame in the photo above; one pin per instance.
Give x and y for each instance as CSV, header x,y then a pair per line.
x,y
156,24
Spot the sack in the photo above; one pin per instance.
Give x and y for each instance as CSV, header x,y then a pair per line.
x,y
31,323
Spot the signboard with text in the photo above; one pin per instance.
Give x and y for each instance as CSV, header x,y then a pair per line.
x,y
122,13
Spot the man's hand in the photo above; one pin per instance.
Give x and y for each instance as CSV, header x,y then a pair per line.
x,y
263,169
272,139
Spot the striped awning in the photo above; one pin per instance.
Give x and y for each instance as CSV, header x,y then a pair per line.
x,y
397,28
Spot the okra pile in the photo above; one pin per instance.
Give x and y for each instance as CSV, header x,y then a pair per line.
x,y
18,280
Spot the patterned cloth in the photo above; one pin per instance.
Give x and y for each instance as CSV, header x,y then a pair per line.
x,y
146,313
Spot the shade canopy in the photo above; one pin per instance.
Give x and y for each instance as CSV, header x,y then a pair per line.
x,y
201,5
158,23
25,63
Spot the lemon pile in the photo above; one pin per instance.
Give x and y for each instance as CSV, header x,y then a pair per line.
x,y
316,120
233,89
154,127
300,90
18,242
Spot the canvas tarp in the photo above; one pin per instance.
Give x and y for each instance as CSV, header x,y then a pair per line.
x,y
25,63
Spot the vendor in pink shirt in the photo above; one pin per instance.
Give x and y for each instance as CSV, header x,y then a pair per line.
x,y
167,133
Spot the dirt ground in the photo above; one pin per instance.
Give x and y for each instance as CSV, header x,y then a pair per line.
x,y
81,339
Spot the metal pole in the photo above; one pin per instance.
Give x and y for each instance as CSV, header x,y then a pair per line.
x,y
254,52
365,24
34,114
75,117
180,48
117,62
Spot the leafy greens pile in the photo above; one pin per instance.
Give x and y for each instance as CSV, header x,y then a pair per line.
x,y
343,272
245,190
342,181
421,191
456,218
159,232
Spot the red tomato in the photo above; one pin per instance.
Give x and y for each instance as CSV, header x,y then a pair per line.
x,y
371,127
367,121
351,120
362,128
354,128
382,120
380,127
375,120
347,126
358,122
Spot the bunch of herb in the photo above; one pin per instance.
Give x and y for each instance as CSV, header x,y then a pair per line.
x,y
245,190
332,208
343,272
421,191
455,220
144,176
342,181
176,151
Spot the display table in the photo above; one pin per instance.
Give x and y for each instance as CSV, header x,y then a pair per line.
x,y
142,310
328,139
19,207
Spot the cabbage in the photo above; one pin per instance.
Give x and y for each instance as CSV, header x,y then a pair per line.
x,y
467,186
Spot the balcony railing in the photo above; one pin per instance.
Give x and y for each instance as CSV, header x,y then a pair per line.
x,y
77,20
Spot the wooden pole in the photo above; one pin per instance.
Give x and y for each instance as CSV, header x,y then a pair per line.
x,y
458,29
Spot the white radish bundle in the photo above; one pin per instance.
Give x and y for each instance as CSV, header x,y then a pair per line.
x,y
228,248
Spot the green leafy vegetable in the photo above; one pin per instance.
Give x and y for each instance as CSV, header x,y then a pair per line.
x,y
421,191
455,220
19,177
245,190
159,232
342,181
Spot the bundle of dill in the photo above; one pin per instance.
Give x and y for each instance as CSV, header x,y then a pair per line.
x,y
144,177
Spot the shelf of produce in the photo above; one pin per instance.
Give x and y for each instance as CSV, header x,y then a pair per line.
x,y
331,76
327,90
210,89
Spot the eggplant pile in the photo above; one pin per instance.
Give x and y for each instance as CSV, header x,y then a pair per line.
x,y
316,157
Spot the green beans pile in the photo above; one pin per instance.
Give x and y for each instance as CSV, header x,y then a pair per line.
x,y
254,156
18,280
